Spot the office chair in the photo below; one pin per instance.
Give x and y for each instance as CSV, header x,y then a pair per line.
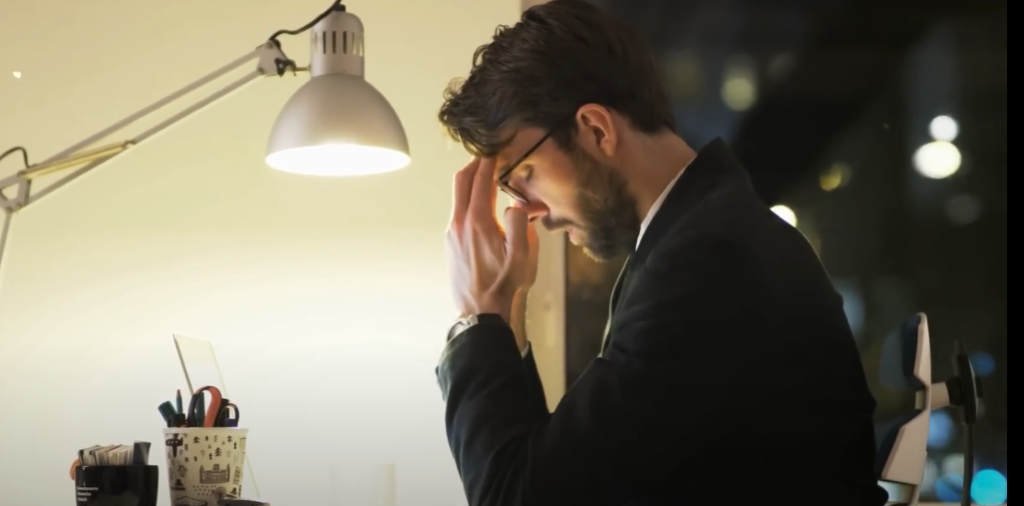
x,y
903,443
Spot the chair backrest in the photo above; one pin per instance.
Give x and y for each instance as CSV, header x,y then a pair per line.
x,y
903,441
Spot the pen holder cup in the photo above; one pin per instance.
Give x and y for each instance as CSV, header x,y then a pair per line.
x,y
204,465
116,485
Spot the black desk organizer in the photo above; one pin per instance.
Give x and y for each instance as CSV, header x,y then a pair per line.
x,y
136,485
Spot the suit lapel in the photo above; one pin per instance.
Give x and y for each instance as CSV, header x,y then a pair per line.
x,y
613,302
714,166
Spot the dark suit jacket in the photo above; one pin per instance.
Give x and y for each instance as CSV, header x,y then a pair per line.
x,y
730,376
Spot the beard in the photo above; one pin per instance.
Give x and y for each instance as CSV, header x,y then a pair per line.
x,y
608,226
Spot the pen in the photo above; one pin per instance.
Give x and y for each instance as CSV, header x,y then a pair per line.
x,y
178,403
167,411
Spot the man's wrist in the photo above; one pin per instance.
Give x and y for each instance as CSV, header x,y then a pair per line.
x,y
518,319
511,312
494,306
465,323
519,300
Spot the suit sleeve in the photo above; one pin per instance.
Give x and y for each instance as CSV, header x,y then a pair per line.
x,y
538,401
622,418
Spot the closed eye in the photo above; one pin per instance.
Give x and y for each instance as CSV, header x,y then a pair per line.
x,y
527,172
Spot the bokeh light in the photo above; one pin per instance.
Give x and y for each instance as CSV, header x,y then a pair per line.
x,y
931,475
941,430
984,364
937,160
963,209
787,214
684,74
739,93
953,464
944,128
739,86
781,66
989,487
948,487
837,176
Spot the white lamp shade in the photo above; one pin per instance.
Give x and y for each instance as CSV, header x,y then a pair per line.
x,y
338,125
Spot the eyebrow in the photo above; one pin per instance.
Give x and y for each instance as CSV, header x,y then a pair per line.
x,y
503,172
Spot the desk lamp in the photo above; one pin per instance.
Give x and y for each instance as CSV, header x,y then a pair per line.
x,y
336,124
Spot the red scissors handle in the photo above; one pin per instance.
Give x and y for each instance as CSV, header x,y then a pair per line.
x,y
212,409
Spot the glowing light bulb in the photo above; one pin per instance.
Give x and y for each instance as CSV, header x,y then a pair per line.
x,y
338,160
16,74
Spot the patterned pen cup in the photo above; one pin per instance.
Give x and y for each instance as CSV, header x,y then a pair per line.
x,y
204,465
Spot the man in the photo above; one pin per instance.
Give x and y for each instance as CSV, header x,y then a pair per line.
x,y
729,374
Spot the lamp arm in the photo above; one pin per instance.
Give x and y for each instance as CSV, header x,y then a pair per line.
x,y
270,61
8,216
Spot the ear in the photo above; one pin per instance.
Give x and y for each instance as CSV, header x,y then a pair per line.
x,y
597,129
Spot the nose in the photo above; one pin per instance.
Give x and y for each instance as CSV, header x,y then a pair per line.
x,y
534,210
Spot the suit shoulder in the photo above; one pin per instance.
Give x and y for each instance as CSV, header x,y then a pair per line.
x,y
697,255
695,237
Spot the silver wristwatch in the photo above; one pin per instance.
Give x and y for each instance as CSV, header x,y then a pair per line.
x,y
463,324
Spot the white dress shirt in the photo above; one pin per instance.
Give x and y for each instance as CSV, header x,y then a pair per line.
x,y
657,205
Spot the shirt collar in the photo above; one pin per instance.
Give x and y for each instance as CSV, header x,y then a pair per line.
x,y
657,205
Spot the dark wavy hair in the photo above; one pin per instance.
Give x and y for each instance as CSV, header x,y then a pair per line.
x,y
559,56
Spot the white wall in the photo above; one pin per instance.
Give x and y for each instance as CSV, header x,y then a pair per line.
x,y
327,300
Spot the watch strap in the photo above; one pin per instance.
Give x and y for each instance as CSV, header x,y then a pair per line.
x,y
465,323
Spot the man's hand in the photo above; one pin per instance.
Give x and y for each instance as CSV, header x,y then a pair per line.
x,y
488,265
518,317
533,258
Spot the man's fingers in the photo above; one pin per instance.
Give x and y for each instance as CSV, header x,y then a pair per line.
x,y
462,190
485,189
531,236
517,234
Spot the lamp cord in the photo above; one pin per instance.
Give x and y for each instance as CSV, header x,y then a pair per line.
x,y
283,64
15,149
335,6
286,63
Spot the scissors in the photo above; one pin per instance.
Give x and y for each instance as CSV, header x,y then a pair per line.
x,y
224,418
204,416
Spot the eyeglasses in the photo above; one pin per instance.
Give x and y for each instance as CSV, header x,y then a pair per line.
x,y
504,176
